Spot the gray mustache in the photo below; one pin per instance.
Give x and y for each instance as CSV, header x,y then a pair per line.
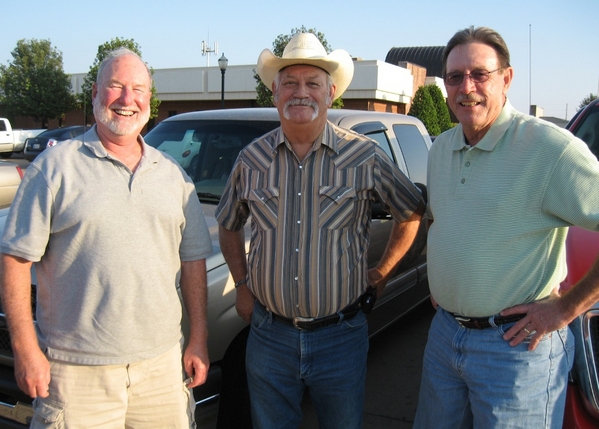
x,y
301,102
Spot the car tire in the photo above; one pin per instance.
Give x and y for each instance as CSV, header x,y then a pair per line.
x,y
234,402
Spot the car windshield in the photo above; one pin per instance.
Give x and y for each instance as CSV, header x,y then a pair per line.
x,y
57,132
205,149
63,133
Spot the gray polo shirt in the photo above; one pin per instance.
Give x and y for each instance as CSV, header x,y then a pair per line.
x,y
107,246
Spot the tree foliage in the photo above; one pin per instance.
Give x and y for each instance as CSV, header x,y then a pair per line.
x,y
264,97
85,98
443,116
34,84
587,100
424,109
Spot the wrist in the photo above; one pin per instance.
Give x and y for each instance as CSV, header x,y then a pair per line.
x,y
241,282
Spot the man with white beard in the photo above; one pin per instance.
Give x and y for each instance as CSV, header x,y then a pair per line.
x,y
111,224
309,186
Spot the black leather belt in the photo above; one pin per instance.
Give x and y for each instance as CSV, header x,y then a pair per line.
x,y
308,323
484,323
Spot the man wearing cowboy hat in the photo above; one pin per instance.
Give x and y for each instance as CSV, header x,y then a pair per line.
x,y
309,186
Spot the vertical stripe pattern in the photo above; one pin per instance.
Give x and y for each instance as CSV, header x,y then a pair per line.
x,y
310,220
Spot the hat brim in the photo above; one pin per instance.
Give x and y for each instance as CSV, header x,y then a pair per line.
x,y
338,64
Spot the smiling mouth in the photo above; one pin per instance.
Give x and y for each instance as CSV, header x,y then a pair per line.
x,y
122,112
469,103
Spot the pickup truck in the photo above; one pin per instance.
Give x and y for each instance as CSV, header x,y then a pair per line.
x,y
207,143
11,140
582,248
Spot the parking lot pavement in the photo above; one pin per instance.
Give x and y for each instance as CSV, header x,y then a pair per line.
x,y
393,374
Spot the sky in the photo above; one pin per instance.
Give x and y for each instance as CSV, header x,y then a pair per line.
x,y
554,44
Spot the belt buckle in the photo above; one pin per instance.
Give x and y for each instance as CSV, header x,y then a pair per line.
x,y
461,320
297,320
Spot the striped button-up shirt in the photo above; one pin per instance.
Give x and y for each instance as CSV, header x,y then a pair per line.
x,y
310,220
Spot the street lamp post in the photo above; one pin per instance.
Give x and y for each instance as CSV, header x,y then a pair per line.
x,y
222,64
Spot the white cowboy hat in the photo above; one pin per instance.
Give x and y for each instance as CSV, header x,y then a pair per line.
x,y
305,48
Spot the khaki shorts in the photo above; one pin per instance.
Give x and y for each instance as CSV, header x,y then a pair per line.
x,y
146,394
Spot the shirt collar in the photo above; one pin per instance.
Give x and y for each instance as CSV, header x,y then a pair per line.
x,y
495,133
326,138
92,141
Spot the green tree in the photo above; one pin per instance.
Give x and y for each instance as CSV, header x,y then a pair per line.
x,y
264,97
35,84
443,117
85,98
587,100
424,109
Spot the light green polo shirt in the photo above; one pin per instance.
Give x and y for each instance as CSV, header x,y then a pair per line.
x,y
501,211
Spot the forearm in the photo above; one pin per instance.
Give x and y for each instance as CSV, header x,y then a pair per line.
x,y
232,245
400,241
583,295
195,297
15,281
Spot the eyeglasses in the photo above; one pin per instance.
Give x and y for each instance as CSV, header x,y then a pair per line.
x,y
477,76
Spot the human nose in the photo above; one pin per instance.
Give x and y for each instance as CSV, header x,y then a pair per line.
x,y
126,96
467,85
301,91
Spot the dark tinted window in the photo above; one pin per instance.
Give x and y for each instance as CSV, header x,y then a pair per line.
x,y
206,150
383,141
414,149
588,130
2,126
57,132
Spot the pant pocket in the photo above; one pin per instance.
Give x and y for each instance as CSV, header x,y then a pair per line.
x,y
47,414
191,406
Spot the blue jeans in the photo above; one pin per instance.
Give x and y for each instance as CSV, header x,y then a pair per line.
x,y
474,379
329,362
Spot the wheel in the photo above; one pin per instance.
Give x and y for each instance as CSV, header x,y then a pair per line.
x,y
234,403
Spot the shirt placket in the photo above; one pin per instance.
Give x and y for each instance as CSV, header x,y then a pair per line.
x,y
466,172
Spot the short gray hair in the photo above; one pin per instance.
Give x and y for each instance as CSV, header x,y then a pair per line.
x,y
117,53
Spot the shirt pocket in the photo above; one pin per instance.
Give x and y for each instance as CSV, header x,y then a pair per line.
x,y
264,206
337,206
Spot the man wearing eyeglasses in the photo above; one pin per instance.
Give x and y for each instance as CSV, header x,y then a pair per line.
x,y
503,189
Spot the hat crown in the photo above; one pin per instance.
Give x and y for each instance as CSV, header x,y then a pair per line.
x,y
304,45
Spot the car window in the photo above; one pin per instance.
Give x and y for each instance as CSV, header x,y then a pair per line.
x,y
414,149
588,131
383,141
57,132
206,150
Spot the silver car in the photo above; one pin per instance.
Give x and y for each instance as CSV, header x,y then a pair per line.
x,y
206,144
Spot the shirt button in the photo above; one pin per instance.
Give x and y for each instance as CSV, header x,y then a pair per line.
x,y
467,163
463,181
299,194
295,278
296,250
299,221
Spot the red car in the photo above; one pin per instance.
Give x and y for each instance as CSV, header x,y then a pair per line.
x,y
582,404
